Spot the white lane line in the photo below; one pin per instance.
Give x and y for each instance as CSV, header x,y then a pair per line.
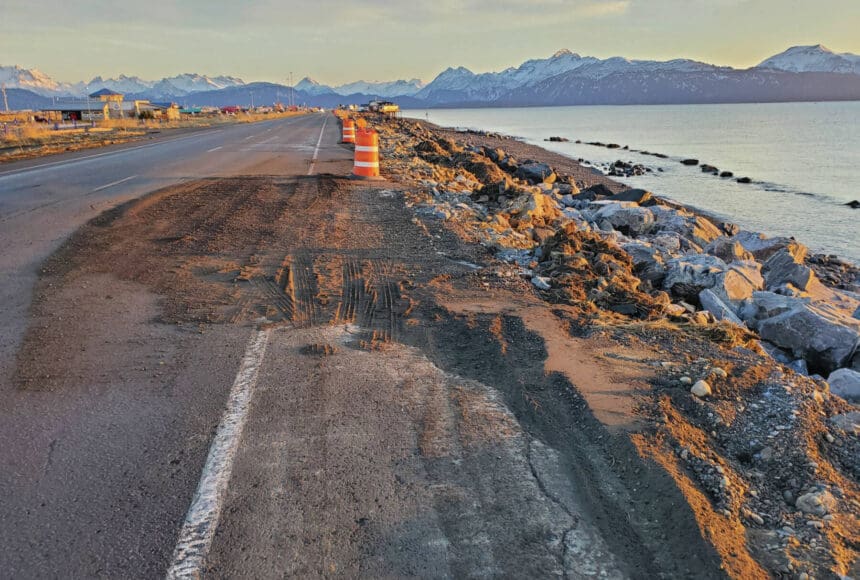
x,y
270,139
85,158
195,539
114,183
213,149
317,148
248,137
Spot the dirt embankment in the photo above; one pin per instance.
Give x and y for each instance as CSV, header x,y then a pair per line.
x,y
765,456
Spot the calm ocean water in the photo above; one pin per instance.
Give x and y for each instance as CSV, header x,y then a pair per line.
x,y
804,158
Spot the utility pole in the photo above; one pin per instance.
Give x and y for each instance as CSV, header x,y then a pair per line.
x,y
291,89
5,101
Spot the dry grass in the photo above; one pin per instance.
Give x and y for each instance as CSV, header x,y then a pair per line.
x,y
36,139
123,124
26,134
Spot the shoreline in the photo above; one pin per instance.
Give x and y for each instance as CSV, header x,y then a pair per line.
x,y
795,190
543,154
711,266
748,410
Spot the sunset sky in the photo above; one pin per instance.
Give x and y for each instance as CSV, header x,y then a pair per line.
x,y
337,41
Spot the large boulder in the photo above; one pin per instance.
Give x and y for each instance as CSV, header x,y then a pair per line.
x,y
721,311
729,250
596,191
648,263
785,266
763,247
532,210
695,228
764,305
848,422
628,220
687,276
846,384
823,339
639,196
536,172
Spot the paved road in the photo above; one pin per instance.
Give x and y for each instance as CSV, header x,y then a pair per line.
x,y
42,201
96,478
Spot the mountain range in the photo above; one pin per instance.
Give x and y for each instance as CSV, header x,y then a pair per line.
x,y
801,73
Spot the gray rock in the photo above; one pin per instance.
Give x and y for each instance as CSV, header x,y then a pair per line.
x,y
639,196
848,422
763,305
536,173
567,188
697,270
760,245
721,311
670,242
701,389
814,334
728,250
647,261
628,220
541,283
799,366
688,275
845,383
568,200
786,266
597,190
695,228
819,503
433,212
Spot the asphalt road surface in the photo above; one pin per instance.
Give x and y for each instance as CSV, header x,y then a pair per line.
x,y
262,369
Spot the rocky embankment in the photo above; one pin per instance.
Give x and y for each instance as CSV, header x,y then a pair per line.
x,y
753,403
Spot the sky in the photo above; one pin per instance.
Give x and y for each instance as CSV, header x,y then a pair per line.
x,y
338,41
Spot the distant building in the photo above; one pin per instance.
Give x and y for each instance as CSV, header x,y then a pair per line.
x,y
108,104
79,110
107,95
169,111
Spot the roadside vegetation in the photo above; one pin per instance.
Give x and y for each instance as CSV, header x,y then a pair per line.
x,y
26,140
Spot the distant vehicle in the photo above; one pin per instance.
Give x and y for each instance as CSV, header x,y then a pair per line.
x,y
385,107
231,109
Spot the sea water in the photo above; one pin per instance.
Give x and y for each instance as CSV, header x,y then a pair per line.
x,y
803,158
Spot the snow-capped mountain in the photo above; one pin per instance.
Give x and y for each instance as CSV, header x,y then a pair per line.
x,y
16,77
384,89
565,78
816,58
462,85
192,83
312,87
568,78
122,84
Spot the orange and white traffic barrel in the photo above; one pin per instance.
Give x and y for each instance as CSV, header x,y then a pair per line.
x,y
366,155
348,131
